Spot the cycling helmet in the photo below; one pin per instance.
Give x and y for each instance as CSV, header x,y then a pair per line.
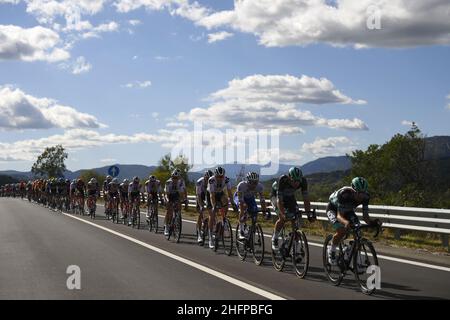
x,y
67,181
219,172
115,181
108,178
295,173
252,177
136,179
360,184
79,181
126,181
209,173
61,180
152,178
175,173
93,180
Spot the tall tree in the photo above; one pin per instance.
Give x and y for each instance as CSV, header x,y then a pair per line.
x,y
50,163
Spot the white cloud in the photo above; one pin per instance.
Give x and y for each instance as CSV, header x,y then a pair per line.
x,y
408,123
75,139
270,102
304,22
110,160
33,44
177,125
102,28
331,146
134,22
19,110
155,115
81,66
218,36
138,84
9,1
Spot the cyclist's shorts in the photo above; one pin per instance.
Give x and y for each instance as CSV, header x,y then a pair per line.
x,y
80,192
332,216
173,197
153,196
208,200
92,193
124,195
221,199
113,194
134,195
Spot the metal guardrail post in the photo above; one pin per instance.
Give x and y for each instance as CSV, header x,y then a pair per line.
x,y
444,238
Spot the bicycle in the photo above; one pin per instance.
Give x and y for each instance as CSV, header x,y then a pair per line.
x,y
125,209
352,256
253,241
114,209
204,230
136,213
92,206
223,233
293,245
175,226
152,214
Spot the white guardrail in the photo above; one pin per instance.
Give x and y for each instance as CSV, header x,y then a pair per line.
x,y
397,218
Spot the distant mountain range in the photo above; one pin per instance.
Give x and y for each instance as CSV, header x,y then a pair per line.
x,y
437,148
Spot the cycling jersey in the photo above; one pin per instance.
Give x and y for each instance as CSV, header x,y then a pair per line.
x,y
245,190
283,191
215,186
344,200
201,186
113,188
123,189
153,187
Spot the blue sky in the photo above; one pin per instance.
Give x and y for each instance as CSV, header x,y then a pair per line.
x,y
130,73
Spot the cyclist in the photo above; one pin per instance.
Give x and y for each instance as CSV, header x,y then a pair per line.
x,y
134,192
173,191
245,198
153,190
93,189
105,191
183,186
112,191
284,201
80,188
217,185
72,192
341,210
123,190
202,194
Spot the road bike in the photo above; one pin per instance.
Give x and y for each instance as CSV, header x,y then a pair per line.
x,y
354,255
152,214
136,213
294,245
92,205
223,235
176,223
253,241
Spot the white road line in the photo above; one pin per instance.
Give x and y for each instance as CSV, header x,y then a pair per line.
x,y
414,263
236,282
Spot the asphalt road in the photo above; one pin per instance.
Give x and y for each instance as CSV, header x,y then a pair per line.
x,y
118,262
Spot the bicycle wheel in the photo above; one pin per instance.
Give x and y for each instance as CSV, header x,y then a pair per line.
x,y
364,257
300,254
241,247
334,273
227,237
257,245
205,230
279,255
155,220
177,227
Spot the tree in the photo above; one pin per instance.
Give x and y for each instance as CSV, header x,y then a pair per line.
x,y
166,166
50,163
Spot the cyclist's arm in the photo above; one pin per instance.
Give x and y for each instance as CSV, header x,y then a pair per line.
x,y
262,200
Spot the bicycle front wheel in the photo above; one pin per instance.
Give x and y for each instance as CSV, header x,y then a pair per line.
x,y
257,245
240,245
177,227
227,237
363,258
279,255
300,254
334,272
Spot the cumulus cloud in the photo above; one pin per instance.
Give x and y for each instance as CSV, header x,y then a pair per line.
x,y
9,1
331,146
138,84
33,44
363,23
218,36
102,28
270,102
75,139
19,110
